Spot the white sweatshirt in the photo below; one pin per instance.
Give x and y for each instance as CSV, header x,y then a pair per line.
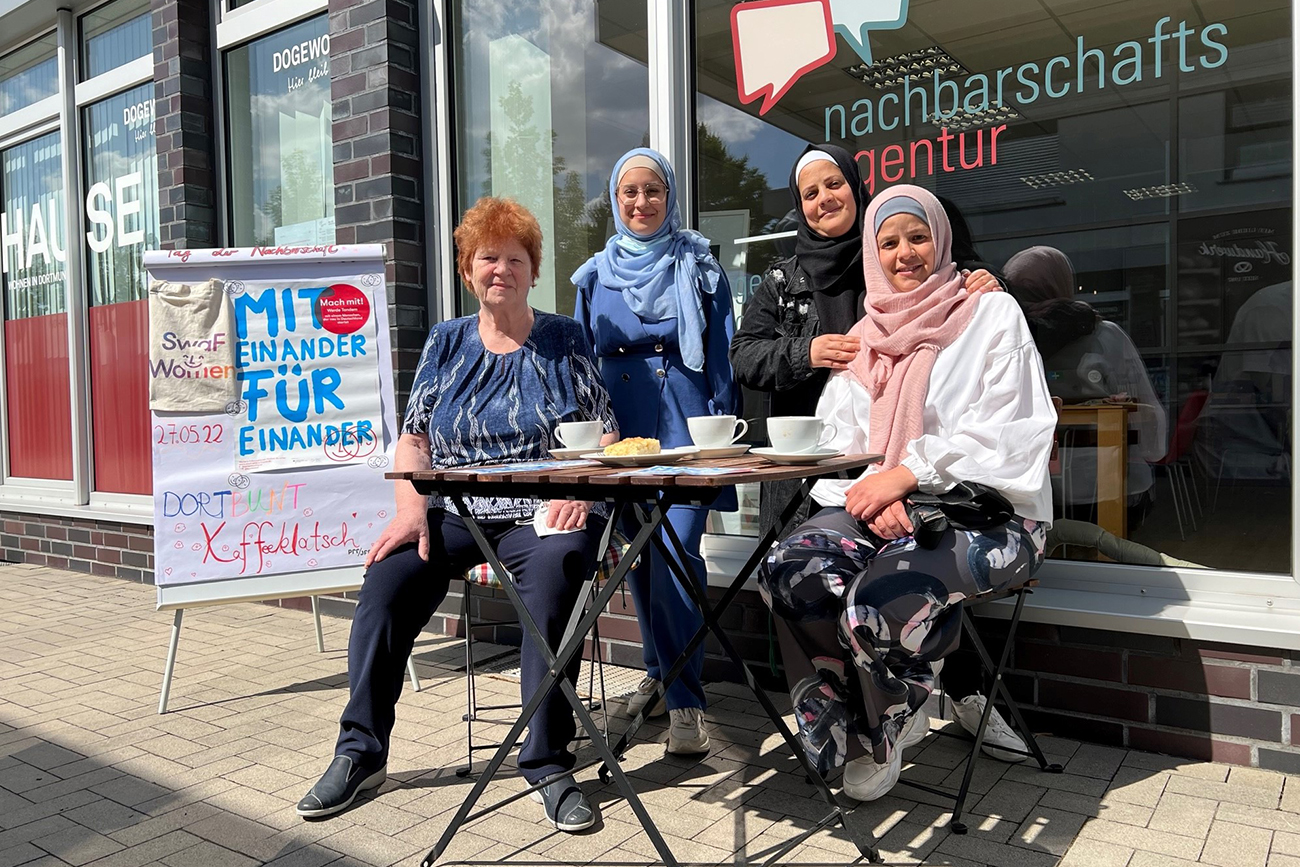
x,y
988,415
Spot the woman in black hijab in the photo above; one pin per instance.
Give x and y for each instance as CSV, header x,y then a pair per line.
x,y
786,344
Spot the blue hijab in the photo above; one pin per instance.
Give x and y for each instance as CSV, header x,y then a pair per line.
x,y
661,275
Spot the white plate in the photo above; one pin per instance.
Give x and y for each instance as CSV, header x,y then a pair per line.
x,y
722,452
667,456
568,454
812,457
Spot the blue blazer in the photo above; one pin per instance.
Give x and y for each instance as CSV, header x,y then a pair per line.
x,y
651,388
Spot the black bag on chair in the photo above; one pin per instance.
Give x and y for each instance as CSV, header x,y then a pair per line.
x,y
968,506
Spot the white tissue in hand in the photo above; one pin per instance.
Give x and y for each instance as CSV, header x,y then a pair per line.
x,y
539,524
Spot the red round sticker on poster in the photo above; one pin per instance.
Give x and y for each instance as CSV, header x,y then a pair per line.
x,y
342,309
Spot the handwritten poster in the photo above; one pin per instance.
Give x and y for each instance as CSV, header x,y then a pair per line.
x,y
289,477
309,381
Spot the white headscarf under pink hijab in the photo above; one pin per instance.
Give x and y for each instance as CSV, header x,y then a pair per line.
x,y
903,332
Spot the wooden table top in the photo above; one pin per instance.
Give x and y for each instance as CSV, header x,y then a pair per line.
x,y
751,468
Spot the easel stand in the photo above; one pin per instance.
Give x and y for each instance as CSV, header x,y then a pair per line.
x,y
170,666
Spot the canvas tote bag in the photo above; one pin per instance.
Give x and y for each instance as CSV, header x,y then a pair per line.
x,y
191,347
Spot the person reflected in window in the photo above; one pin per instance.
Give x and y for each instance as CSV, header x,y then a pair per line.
x,y
1245,431
793,338
490,388
656,306
1102,364
949,388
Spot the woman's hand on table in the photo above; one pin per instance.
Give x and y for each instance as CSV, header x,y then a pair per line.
x,y
567,514
409,525
891,522
871,494
982,281
833,350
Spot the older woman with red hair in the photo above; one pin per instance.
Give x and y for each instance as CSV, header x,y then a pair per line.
x,y
490,388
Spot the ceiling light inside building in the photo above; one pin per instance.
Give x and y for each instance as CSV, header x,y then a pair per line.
x,y
891,72
1058,179
1163,191
962,119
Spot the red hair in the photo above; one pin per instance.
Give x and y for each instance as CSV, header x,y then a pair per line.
x,y
493,219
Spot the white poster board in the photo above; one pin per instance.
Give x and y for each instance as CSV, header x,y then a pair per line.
x,y
283,493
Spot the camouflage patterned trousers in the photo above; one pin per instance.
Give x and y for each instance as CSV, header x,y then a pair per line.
x,y
863,620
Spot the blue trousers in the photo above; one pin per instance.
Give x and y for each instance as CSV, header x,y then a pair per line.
x,y
667,616
399,596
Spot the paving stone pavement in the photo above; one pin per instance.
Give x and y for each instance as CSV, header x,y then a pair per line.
x,y
90,774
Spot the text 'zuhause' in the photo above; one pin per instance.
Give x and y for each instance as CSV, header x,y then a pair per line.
x,y
936,99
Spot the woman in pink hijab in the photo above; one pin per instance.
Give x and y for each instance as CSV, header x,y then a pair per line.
x,y
949,388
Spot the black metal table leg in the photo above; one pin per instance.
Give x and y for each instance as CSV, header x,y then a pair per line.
x,y
863,839
555,677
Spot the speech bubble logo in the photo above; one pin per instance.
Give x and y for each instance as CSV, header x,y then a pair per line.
x,y
854,19
776,42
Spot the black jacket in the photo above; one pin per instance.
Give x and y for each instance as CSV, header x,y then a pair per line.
x,y
770,350
770,355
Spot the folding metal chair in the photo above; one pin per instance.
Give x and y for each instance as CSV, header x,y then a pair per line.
x,y
998,690
483,576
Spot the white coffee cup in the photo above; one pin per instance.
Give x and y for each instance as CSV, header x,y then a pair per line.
x,y
716,431
579,434
798,434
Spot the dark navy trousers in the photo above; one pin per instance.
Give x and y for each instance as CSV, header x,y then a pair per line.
x,y
399,596
668,617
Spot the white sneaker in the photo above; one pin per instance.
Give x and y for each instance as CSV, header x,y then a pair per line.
x,y
639,699
686,734
915,731
996,734
864,780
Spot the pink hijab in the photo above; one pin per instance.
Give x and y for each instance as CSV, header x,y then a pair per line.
x,y
903,332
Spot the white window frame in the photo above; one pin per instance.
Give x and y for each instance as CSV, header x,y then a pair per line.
x,y
238,26
38,119
62,112
108,84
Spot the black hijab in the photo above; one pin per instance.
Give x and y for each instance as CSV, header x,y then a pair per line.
x,y
833,265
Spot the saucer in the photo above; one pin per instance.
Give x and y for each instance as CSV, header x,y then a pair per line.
x,y
722,451
667,456
811,457
568,454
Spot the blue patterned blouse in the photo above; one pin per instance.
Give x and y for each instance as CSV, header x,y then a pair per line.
x,y
478,407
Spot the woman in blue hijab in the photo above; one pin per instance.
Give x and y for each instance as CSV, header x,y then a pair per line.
x,y
657,309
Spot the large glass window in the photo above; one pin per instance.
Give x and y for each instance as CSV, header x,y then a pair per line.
x,y
31,228
115,34
121,222
549,95
34,252
1149,142
281,161
29,74
121,194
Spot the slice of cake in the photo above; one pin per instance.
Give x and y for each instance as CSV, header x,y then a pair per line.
x,y
633,446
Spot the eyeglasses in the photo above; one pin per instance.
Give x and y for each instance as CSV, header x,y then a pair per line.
x,y
653,193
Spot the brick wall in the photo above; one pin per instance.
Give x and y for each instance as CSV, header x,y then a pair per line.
x,y
1224,703
96,547
378,178
183,113
1227,703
